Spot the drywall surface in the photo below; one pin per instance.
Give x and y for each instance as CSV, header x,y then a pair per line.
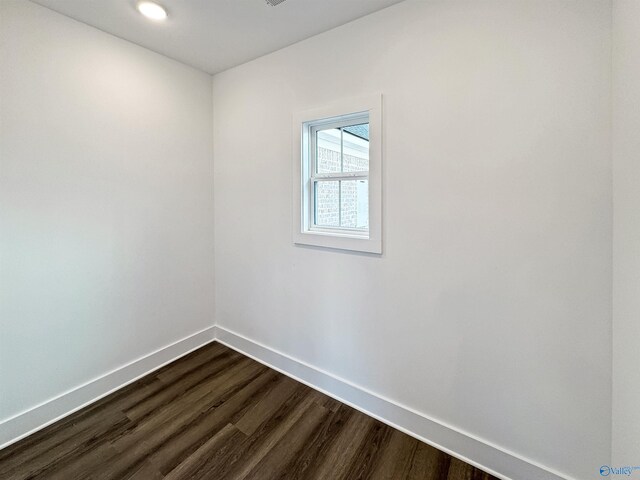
x,y
626,202
490,308
105,204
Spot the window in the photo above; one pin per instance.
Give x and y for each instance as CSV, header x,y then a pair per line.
x,y
337,165
339,175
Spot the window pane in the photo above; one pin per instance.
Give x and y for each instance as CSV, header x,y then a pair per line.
x,y
328,151
354,204
327,207
355,148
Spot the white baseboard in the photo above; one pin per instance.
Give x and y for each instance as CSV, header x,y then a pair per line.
x,y
482,454
475,451
25,423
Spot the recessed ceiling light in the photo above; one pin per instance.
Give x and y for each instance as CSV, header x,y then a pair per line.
x,y
152,10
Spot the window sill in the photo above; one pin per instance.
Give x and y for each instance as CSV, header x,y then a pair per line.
x,y
341,241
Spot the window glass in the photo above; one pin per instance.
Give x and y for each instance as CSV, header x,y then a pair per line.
x,y
327,207
329,151
355,141
341,186
354,204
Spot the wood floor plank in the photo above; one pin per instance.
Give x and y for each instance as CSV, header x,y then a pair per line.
x,y
458,470
335,461
162,421
178,447
216,414
137,442
256,446
167,439
396,457
85,466
147,471
263,409
367,457
77,441
195,359
310,457
208,455
195,381
90,417
325,400
429,464
275,462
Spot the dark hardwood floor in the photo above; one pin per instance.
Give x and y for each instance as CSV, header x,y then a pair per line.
x,y
216,414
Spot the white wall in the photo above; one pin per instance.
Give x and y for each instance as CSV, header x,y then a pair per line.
x,y
106,209
626,285
490,308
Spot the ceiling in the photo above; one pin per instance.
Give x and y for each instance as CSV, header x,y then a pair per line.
x,y
214,35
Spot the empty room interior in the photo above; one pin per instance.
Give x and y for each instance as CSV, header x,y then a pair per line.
x,y
319,239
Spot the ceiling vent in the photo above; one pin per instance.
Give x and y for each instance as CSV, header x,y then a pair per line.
x,y
274,3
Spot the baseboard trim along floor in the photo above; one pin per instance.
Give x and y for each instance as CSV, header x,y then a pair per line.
x,y
475,451
36,418
218,414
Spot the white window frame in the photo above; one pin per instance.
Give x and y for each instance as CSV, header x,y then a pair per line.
x,y
345,112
